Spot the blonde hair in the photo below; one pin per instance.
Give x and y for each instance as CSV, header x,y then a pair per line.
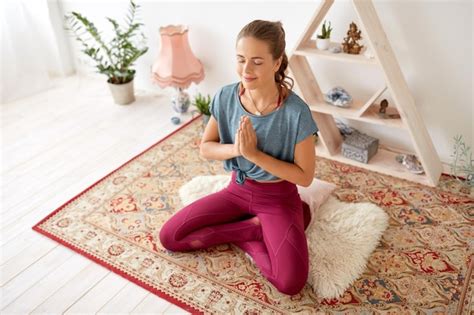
x,y
274,35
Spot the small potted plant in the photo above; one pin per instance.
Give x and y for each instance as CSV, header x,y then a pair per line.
x,y
202,105
115,58
322,40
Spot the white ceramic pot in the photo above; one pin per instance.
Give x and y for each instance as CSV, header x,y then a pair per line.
x,y
322,43
122,94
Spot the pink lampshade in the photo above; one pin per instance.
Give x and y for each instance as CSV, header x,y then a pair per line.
x,y
176,64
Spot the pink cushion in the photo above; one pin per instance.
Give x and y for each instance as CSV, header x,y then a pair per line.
x,y
316,194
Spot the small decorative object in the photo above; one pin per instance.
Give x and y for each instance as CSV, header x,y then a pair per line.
x,y
359,147
338,97
180,101
202,105
344,129
335,49
322,40
383,111
463,163
115,58
176,65
175,120
350,44
411,163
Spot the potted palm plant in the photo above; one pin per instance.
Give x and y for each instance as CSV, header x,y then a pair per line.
x,y
322,40
115,58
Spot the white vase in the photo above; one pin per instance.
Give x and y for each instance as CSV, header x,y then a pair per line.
x,y
180,101
122,94
322,43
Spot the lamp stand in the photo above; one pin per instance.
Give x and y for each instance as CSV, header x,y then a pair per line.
x,y
180,101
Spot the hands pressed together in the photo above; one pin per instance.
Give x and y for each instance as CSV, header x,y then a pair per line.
x,y
246,139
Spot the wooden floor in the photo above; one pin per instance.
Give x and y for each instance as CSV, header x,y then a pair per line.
x,y
54,145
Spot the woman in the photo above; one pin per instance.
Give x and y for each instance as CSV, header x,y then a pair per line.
x,y
263,133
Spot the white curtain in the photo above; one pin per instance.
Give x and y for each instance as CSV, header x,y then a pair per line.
x,y
31,52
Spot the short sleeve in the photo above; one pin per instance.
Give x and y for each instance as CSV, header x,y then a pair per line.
x,y
307,126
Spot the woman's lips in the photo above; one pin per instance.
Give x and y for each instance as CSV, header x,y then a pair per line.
x,y
249,79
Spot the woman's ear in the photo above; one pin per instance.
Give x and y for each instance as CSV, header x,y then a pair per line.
x,y
278,64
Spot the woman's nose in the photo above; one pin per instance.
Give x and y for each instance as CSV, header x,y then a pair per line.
x,y
247,67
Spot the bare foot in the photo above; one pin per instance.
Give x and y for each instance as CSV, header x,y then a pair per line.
x,y
196,244
255,220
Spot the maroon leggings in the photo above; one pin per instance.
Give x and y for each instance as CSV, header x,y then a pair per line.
x,y
266,220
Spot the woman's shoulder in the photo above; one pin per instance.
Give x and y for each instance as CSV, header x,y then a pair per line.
x,y
227,89
295,103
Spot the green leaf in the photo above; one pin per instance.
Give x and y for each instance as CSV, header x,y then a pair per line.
x,y
115,57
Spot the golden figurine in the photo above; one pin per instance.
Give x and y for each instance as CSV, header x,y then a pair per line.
x,y
350,44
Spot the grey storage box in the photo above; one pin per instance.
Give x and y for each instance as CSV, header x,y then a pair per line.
x,y
360,147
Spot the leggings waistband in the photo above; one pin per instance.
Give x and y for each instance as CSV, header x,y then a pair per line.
x,y
282,187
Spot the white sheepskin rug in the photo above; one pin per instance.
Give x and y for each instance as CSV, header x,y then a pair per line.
x,y
341,236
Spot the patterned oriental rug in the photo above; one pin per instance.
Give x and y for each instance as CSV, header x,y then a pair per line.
x,y
423,264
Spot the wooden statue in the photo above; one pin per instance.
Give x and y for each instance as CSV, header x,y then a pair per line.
x,y
350,44
383,111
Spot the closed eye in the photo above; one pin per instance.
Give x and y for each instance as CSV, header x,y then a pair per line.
x,y
255,62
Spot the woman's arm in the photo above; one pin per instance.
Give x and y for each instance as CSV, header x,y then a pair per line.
x,y
300,172
211,149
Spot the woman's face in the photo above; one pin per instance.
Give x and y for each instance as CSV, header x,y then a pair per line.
x,y
255,64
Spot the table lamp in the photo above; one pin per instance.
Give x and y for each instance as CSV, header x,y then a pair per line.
x,y
176,65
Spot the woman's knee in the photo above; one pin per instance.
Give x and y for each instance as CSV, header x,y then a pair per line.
x,y
293,285
293,263
292,281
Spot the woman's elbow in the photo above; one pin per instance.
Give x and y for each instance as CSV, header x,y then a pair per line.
x,y
202,152
308,181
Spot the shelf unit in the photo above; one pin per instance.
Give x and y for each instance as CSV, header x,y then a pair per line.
x,y
330,142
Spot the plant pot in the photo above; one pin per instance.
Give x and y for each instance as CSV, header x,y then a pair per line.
x,y
122,94
322,43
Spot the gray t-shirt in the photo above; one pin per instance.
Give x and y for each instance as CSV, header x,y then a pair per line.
x,y
277,132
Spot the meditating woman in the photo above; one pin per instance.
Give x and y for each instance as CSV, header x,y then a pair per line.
x,y
263,132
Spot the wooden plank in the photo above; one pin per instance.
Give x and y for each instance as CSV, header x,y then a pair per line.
x,y
310,50
37,270
398,88
24,260
152,302
312,94
125,301
371,100
19,244
73,290
42,289
175,310
99,295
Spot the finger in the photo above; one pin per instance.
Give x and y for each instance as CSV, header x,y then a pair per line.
x,y
246,130
250,126
243,137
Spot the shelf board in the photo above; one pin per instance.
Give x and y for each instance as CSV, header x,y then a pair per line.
x,y
371,115
382,162
310,50
353,112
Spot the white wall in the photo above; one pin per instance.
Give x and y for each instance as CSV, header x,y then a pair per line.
x,y
432,41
